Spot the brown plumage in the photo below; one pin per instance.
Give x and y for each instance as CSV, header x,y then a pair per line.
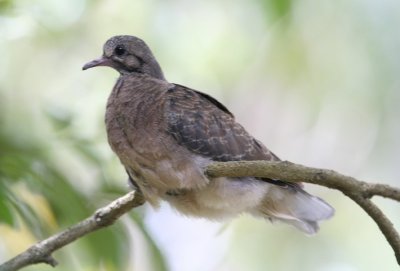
x,y
166,134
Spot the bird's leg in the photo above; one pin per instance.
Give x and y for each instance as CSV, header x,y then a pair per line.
x,y
132,182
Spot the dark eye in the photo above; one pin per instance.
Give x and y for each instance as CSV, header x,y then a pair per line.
x,y
119,50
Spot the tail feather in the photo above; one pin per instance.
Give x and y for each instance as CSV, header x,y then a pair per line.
x,y
308,227
293,205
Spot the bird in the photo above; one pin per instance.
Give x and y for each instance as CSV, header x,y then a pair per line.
x,y
166,134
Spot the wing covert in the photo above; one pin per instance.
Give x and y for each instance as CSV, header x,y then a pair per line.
x,y
206,127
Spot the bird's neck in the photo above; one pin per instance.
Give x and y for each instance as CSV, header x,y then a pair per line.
x,y
152,69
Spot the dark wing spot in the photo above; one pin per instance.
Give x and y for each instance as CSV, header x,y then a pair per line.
x,y
171,89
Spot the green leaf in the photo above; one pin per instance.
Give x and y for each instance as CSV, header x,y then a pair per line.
x,y
6,215
27,214
277,8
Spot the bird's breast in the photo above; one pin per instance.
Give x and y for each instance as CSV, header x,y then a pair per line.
x,y
133,117
136,131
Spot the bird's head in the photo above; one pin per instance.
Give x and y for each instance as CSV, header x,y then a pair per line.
x,y
128,54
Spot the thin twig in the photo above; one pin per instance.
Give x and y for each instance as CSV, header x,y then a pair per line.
x,y
358,191
384,224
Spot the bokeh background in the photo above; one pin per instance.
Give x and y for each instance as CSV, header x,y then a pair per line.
x,y
317,81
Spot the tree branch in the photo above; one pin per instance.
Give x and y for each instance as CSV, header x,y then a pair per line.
x,y
359,191
103,217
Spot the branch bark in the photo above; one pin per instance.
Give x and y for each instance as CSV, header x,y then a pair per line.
x,y
103,217
359,191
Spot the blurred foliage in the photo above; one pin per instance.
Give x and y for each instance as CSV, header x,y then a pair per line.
x,y
5,5
317,81
277,9
31,164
